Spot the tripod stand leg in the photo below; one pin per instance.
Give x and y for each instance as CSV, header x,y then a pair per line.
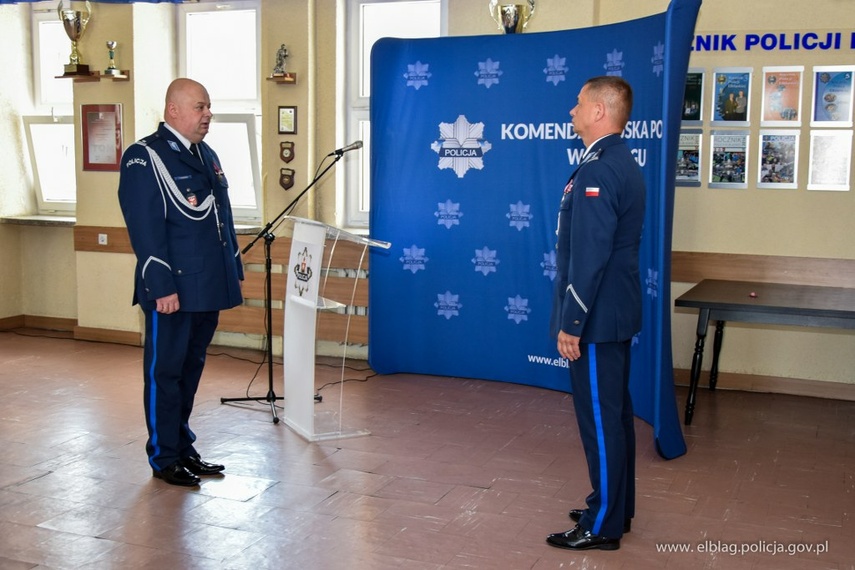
x,y
271,396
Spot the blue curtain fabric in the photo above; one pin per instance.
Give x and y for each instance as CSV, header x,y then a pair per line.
x,y
471,146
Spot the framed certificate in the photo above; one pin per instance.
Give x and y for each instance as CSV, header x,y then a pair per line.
x,y
102,136
287,120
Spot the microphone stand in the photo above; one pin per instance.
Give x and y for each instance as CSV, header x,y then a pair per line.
x,y
269,237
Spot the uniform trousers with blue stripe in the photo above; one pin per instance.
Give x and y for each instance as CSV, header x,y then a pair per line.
x,y
600,383
174,356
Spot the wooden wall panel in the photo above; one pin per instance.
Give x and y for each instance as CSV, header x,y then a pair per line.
x,y
686,267
692,267
86,239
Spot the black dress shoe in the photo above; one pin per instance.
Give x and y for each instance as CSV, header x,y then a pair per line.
x,y
176,474
196,466
576,514
579,539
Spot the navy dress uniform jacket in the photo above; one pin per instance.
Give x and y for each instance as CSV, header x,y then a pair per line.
x,y
598,288
179,218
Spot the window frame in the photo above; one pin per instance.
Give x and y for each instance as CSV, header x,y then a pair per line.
x,y
48,111
251,121
246,111
44,206
46,12
354,177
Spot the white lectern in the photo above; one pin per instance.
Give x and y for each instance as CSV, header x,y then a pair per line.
x,y
303,299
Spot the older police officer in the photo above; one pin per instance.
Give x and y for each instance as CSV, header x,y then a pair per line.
x,y
174,198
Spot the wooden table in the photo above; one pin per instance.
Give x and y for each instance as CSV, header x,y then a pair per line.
x,y
769,303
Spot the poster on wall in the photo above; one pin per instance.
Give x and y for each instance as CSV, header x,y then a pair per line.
x,y
728,159
832,96
779,159
782,96
689,158
830,160
693,97
731,92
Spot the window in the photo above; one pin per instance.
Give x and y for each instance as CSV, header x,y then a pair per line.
x,y
52,130
238,160
218,47
53,165
367,22
51,50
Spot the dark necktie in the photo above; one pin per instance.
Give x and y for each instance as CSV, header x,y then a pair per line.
x,y
194,148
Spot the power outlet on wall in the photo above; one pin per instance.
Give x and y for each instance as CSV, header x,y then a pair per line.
x,y
102,239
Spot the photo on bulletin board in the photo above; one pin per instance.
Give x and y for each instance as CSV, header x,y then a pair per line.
x,y
689,158
728,159
693,97
832,96
830,160
779,159
782,96
731,96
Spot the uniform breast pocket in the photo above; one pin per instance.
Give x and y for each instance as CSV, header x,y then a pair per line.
x,y
190,265
194,189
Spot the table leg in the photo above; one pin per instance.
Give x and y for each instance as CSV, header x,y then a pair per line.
x,y
697,359
717,339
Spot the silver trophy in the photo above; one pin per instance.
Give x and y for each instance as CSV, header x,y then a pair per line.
x,y
74,22
512,18
112,69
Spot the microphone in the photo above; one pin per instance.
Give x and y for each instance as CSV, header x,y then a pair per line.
x,y
348,148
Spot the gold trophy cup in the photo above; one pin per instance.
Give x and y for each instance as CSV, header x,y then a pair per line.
x,y
74,22
512,18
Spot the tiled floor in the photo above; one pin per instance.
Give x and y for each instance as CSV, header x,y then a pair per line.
x,y
455,474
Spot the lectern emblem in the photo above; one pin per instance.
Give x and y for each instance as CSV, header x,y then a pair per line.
x,y
302,271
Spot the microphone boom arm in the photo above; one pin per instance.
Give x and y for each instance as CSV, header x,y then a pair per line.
x,y
266,230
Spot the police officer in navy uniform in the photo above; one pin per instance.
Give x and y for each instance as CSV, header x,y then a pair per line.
x,y
174,198
597,308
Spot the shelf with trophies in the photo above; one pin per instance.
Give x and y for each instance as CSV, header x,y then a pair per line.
x,y
74,22
279,74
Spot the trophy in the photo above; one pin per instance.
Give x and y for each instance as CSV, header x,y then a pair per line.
x,y
112,69
74,23
512,18
281,55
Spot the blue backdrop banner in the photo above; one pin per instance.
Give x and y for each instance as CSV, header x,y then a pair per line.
x,y
471,146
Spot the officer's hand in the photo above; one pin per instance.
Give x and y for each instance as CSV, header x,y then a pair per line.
x,y
168,305
568,346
